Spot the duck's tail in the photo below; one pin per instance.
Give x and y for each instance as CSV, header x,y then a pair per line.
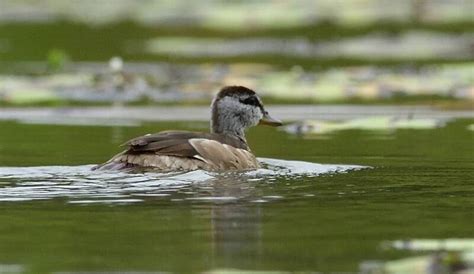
x,y
112,164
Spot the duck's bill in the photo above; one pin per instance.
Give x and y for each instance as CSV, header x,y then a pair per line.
x,y
270,121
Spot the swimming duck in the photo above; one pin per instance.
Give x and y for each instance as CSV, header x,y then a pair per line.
x,y
234,109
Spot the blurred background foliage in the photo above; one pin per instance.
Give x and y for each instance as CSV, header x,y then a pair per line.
x,y
324,51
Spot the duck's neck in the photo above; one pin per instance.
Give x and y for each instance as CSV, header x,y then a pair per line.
x,y
221,128
221,124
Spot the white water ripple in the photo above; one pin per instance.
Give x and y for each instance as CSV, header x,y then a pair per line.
x,y
81,185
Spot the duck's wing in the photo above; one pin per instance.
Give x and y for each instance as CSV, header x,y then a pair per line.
x,y
172,143
183,150
178,143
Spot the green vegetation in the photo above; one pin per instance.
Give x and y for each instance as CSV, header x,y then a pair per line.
x,y
87,43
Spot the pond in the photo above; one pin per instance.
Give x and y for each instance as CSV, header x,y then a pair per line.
x,y
56,216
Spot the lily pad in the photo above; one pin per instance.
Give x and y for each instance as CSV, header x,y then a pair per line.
x,y
380,123
30,96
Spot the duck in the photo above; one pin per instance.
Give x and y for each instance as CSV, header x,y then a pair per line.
x,y
233,110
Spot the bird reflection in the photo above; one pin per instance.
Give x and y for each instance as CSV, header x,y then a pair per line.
x,y
236,225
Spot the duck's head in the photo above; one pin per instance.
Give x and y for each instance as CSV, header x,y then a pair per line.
x,y
236,108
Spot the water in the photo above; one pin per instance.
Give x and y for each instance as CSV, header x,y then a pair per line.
x,y
81,185
58,217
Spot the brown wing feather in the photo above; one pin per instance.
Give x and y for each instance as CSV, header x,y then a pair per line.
x,y
160,136
175,147
196,150
176,143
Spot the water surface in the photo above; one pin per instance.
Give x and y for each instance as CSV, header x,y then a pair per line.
x,y
57,216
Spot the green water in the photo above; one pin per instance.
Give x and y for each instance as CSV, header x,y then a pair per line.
x,y
420,186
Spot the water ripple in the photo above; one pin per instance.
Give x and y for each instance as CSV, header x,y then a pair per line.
x,y
80,185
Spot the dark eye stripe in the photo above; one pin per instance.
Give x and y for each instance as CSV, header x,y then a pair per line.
x,y
253,101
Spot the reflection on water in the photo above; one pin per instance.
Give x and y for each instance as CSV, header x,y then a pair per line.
x,y
288,216
236,227
235,198
80,185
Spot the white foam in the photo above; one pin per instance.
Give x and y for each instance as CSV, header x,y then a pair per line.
x,y
81,185
293,168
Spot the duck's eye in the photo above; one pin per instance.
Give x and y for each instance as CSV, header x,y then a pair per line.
x,y
250,101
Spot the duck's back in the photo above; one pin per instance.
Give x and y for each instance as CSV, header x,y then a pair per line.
x,y
184,150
